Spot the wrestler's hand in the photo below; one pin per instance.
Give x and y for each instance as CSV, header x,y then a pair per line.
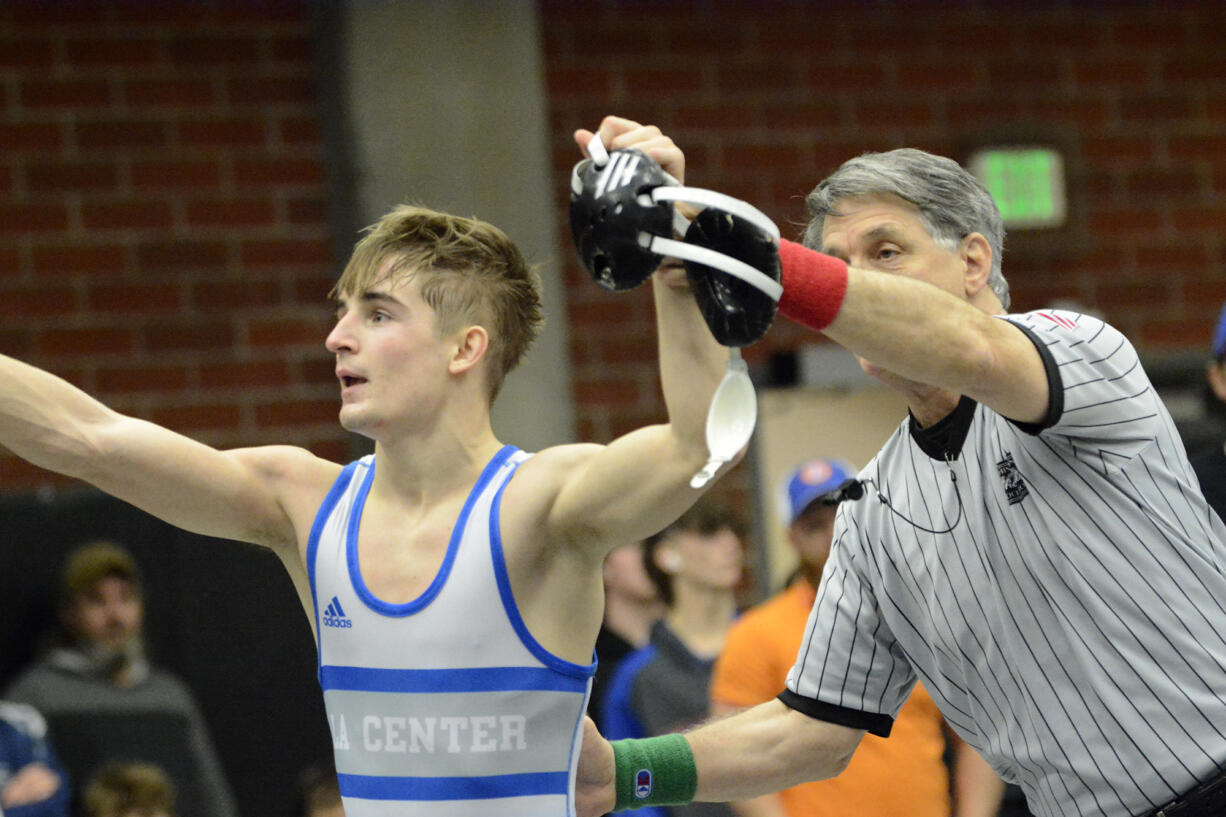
x,y
606,226
594,781
617,133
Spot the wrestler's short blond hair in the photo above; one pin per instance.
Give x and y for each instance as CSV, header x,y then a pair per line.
x,y
468,271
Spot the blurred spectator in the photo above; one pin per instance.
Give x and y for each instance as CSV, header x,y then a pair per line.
x,y
906,774
129,790
696,565
102,697
631,606
1207,450
318,792
32,784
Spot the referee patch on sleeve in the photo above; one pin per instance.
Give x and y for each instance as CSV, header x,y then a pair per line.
x,y
872,722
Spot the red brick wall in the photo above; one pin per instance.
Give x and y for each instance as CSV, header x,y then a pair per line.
x,y
163,232
768,97
164,240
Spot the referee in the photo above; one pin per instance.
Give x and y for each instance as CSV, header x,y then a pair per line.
x,y
1030,543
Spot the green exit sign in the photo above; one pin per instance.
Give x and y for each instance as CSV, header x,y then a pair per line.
x,y
1027,184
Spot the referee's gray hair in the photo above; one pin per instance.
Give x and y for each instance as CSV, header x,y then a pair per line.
x,y
952,202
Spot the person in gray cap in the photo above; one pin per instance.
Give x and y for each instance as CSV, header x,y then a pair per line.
x,y
103,697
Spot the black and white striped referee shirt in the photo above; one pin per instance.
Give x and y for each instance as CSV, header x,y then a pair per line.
x,y
1072,624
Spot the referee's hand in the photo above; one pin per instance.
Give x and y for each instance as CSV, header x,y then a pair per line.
x,y
594,791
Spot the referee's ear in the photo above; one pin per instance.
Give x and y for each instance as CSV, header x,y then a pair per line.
x,y
976,254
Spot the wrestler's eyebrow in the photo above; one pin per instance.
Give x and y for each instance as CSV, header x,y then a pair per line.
x,y
342,303
379,297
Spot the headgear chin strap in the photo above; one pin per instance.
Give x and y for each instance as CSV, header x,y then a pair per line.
x,y
622,219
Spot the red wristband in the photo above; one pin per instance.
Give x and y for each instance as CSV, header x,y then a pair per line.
x,y
813,285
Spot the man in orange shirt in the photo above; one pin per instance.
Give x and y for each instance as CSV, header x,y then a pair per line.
x,y
905,775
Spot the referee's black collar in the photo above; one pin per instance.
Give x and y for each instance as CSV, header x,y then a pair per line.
x,y
943,439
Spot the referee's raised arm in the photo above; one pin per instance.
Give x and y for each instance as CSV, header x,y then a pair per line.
x,y
1030,543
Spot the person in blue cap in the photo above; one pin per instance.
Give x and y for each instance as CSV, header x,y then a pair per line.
x,y
813,494
1208,457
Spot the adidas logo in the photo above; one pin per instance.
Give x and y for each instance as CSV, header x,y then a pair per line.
x,y
334,615
617,173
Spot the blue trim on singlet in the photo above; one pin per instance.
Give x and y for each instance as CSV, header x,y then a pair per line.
x,y
416,605
557,664
317,528
453,788
469,679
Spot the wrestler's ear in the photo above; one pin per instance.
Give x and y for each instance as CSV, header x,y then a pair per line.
x,y
471,344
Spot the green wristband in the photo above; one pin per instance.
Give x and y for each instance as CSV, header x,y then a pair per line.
x,y
654,772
